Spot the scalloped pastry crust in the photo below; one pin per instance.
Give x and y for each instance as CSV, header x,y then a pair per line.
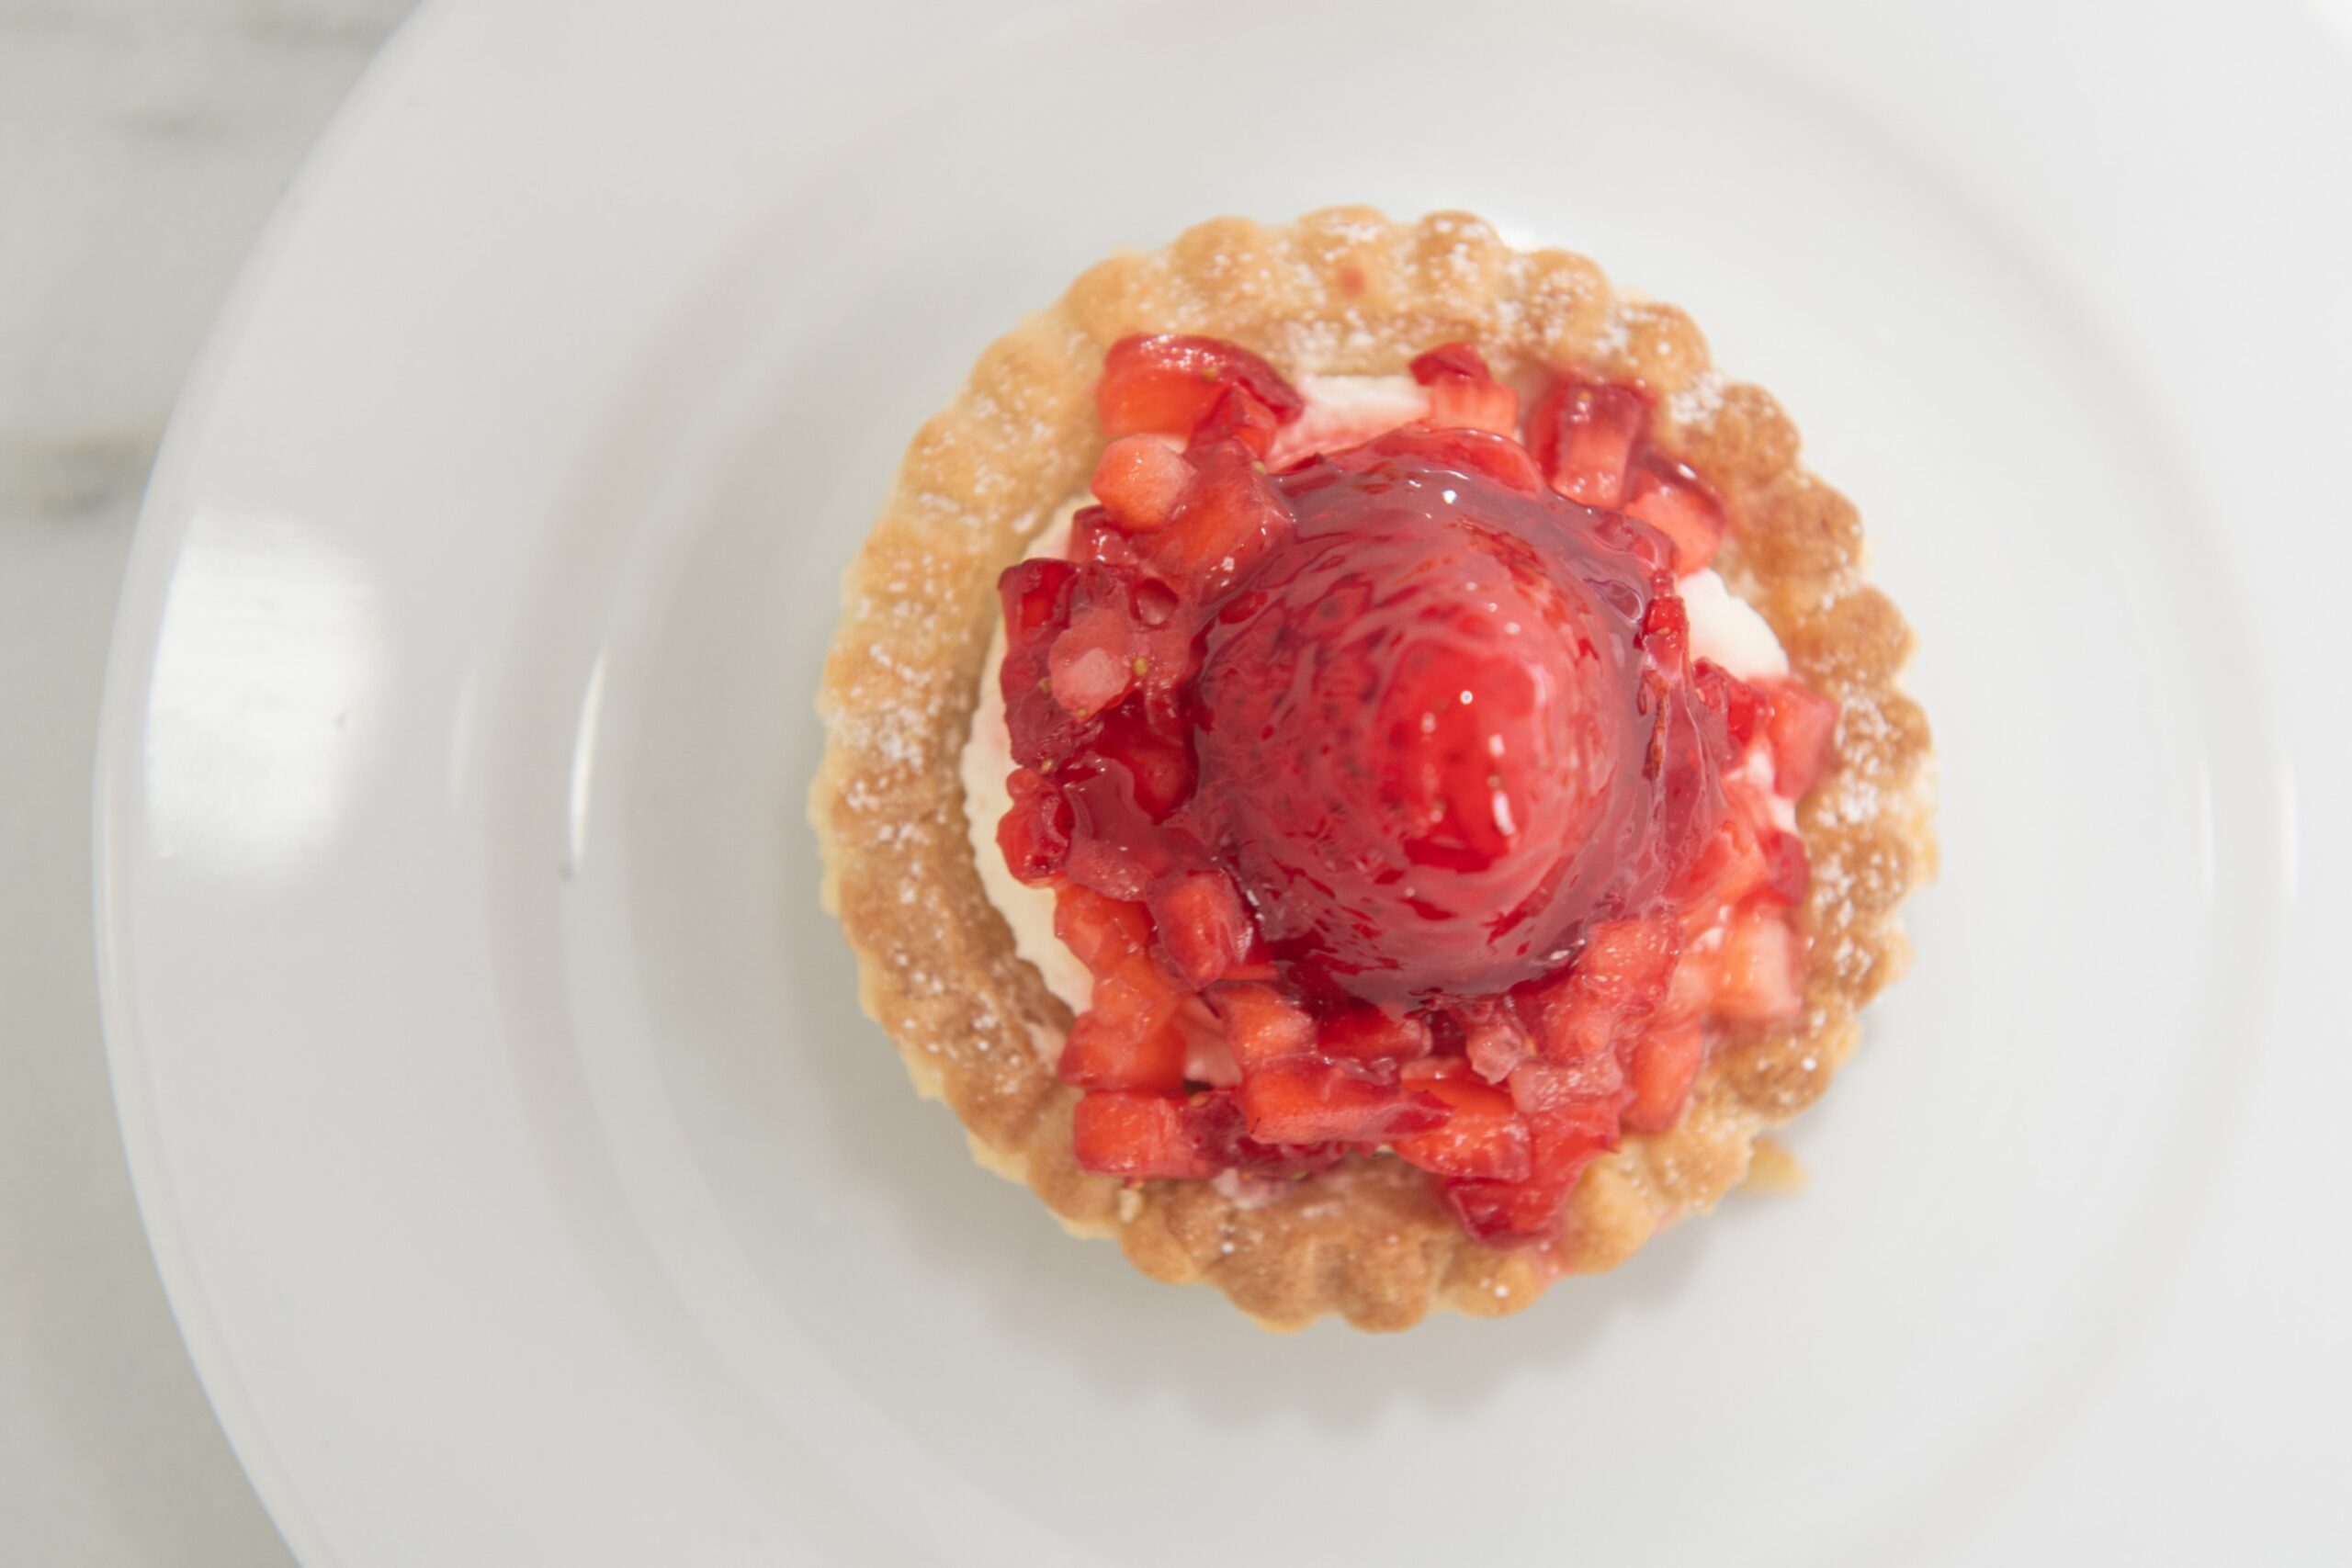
x,y
1341,291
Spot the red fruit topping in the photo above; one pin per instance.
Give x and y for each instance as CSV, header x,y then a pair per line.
x,y
1300,1100
1584,435
1216,1123
1619,978
1101,932
1035,834
1743,707
1168,384
1208,1058
1238,415
1509,1214
1140,479
1089,667
1671,498
1140,1135
1463,393
1105,1053
1801,727
1665,1064
1788,872
1759,973
1493,1039
1454,361
1366,1034
1540,1087
1262,1024
1383,791
1727,867
1202,925
1483,1136
1232,515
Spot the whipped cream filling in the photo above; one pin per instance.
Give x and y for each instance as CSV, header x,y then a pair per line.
x,y
1341,411
987,765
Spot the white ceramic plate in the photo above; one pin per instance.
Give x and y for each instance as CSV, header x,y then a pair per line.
x,y
527,1181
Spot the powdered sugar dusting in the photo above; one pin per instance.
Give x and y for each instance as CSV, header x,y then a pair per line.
x,y
1698,403
1616,334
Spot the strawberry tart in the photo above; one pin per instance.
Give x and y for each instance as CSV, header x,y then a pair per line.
x,y
1363,768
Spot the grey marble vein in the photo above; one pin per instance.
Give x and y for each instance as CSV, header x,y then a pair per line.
x,y
142,144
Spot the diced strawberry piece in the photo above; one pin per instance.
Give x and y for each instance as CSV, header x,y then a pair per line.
x,y
1208,1056
1136,992
1788,871
1463,393
1493,1038
1103,933
1128,1037
1238,415
1203,924
1090,666
1140,479
1423,1071
1102,1052
1584,435
1229,518
1097,538
1262,1024
1801,726
1516,1214
1368,1033
1541,1088
1742,706
1483,1137
1569,1023
1138,1136
1166,384
1693,990
1217,1124
1727,867
1569,1136
1628,963
1474,405
1456,361
1665,1064
1507,1213
1304,1102
1036,594
1033,834
1665,630
1159,768
1759,976
1039,597
1621,974
1675,501
1111,869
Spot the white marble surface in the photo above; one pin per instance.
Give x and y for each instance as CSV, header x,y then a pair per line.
x,y
142,144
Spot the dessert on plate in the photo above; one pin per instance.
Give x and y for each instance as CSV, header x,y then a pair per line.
x,y
1359,766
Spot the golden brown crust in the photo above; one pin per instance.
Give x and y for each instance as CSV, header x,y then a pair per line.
x,y
1343,290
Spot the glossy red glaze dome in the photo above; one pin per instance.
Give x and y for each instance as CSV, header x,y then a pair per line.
x,y
1422,723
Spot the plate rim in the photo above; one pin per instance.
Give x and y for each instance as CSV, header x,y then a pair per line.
x,y
158,534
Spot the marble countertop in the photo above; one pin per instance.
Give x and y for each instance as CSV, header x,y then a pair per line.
x,y
142,144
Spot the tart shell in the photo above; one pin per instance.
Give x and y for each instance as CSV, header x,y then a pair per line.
x,y
1341,291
